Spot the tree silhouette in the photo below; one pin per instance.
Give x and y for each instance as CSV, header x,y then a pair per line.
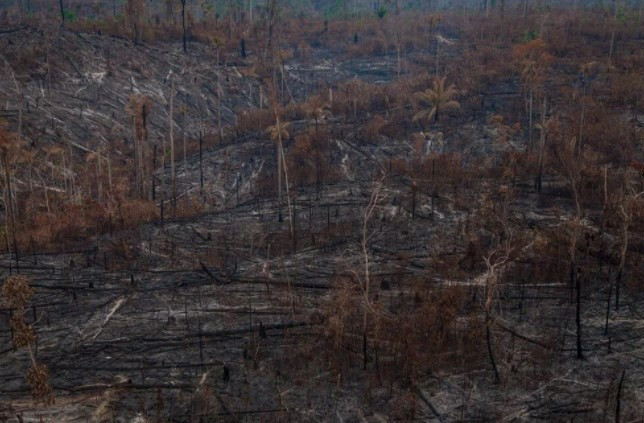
x,y
62,13
534,61
16,294
278,132
134,11
317,110
9,154
183,24
435,100
529,76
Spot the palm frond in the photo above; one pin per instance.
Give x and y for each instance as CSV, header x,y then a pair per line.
x,y
449,92
420,115
452,104
437,98
423,96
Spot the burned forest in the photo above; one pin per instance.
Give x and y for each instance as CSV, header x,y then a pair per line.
x,y
321,211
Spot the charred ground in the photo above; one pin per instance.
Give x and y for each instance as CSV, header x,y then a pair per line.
x,y
411,269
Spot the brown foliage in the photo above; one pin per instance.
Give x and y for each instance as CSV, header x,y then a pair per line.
x,y
418,332
16,291
38,379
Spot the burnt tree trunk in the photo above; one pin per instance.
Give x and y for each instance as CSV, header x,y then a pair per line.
x,y
618,406
488,337
183,24
610,294
580,354
201,162
62,13
12,212
364,350
154,167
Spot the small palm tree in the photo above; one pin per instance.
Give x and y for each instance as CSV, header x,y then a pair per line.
x,y
279,131
321,113
438,98
317,111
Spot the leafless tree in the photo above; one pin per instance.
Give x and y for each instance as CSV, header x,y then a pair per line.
x,y
364,277
495,260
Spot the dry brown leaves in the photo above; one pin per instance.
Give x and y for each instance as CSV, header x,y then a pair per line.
x,y
38,379
16,291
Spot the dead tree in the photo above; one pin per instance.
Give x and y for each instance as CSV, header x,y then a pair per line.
x,y
62,13
364,280
9,206
219,103
542,145
171,138
494,261
201,163
183,24
9,154
618,400
278,132
580,354
570,167
134,11
626,212
272,12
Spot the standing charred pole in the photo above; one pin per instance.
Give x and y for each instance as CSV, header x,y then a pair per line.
x,y
62,13
618,406
201,163
183,23
154,167
171,136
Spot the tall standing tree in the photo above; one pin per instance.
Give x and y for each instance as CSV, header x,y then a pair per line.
x,y
433,101
495,262
62,13
134,12
529,75
630,197
278,132
571,167
534,62
184,139
183,24
375,199
542,127
319,144
272,17
138,107
171,138
9,155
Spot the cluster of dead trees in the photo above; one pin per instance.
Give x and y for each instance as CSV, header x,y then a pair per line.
x,y
569,142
